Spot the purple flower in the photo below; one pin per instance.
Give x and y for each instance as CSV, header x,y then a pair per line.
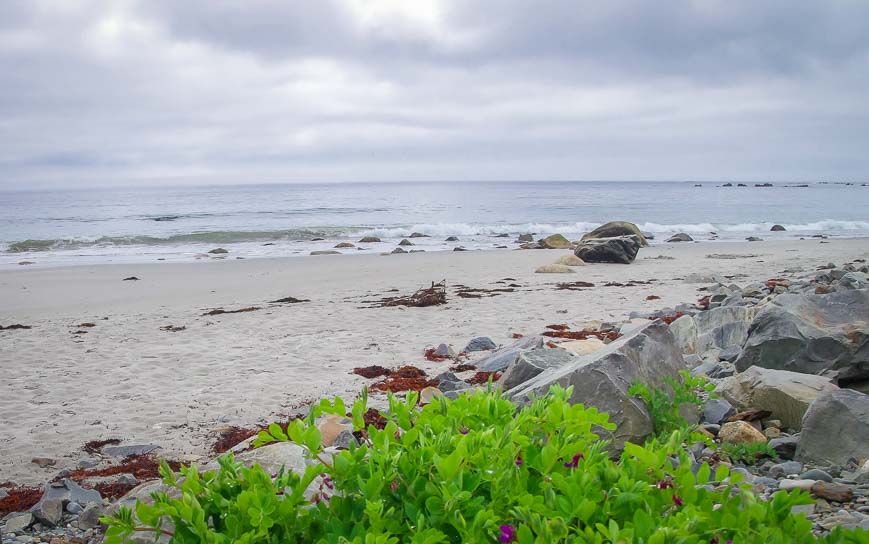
x,y
463,430
518,461
575,461
677,500
508,533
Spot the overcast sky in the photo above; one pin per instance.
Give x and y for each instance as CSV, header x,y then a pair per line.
x,y
212,91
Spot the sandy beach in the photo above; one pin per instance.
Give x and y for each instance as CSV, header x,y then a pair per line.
x,y
126,378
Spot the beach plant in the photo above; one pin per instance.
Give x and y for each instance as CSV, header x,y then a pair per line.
x,y
663,402
749,454
475,469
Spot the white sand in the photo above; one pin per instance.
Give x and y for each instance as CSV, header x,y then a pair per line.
x,y
127,379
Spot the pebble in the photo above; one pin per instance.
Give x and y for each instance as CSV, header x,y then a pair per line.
x,y
816,474
805,485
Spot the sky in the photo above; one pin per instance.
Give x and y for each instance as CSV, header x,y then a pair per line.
x,y
123,92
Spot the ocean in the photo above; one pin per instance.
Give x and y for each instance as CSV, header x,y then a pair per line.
x,y
52,228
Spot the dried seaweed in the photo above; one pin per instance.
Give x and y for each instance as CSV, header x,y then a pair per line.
x,y
94,446
19,498
406,378
464,367
289,300
432,356
15,327
573,286
173,328
231,437
582,335
428,296
482,377
373,371
221,311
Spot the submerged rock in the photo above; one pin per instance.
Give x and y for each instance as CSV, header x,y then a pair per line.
x,y
555,241
680,237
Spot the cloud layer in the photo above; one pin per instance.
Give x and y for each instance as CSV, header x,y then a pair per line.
x,y
202,91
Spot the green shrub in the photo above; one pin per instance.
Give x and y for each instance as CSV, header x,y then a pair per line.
x,y
749,453
663,403
476,469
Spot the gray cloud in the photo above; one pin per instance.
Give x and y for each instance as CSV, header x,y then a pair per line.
x,y
96,93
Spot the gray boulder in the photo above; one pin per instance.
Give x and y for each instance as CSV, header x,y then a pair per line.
x,y
531,363
723,327
835,428
717,410
602,379
614,229
812,334
680,237
786,394
128,451
685,331
785,446
500,359
481,343
621,250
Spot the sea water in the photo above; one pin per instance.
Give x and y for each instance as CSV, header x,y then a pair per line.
x,y
51,228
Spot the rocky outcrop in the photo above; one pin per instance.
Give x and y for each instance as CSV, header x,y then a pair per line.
x,y
786,394
685,331
500,359
835,428
602,379
723,327
555,241
812,334
615,229
621,250
531,363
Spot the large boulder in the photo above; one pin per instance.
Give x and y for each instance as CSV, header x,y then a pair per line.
x,y
812,334
555,241
723,327
602,379
621,250
685,331
501,358
531,363
615,229
786,394
835,428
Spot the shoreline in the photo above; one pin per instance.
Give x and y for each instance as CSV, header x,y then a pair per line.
x,y
125,378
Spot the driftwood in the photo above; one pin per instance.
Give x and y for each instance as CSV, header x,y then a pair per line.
x,y
429,296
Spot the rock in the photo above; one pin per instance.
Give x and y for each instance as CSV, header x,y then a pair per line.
x,y
444,350
730,353
419,235
344,245
48,511
331,425
3,493
525,238
397,250
273,457
602,379
43,462
218,251
787,395
835,428
787,485
816,474
428,394
717,410
500,359
832,491
452,239
345,440
740,432
370,240
570,260
685,331
555,241
18,522
754,239
325,252
90,517
615,229
447,381
554,269
812,334
785,447
622,250
480,343
128,451
785,469
723,327
74,508
405,242
772,432
777,228
680,237
583,347
531,363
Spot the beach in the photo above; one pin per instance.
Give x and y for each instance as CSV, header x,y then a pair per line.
x,y
98,362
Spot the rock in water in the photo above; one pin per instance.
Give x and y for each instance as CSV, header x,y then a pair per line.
x,y
777,228
525,238
531,363
835,428
786,394
555,241
680,237
812,334
481,343
344,245
405,242
570,260
602,379
325,252
369,240
452,239
622,250
740,432
218,251
554,269
615,229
